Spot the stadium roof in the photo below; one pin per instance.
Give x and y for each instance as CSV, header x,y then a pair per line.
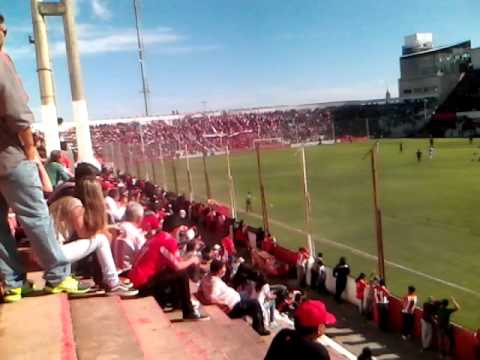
x,y
459,44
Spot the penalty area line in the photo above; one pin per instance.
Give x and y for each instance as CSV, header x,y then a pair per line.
x,y
367,255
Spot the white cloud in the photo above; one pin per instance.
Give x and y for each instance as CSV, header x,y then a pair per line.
x,y
179,50
101,10
94,40
20,52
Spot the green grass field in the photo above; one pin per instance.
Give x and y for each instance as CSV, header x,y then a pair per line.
x,y
429,210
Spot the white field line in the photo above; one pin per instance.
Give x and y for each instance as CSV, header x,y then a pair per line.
x,y
369,256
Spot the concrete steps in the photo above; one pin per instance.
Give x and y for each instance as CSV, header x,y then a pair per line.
x,y
37,328
55,327
220,337
102,331
106,328
153,331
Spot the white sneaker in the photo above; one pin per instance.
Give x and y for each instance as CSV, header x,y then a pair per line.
x,y
122,291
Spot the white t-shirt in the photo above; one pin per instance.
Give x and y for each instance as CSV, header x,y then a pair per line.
x,y
263,294
114,209
217,292
126,247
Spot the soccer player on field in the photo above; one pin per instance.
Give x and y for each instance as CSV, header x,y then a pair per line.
x,y
248,202
419,155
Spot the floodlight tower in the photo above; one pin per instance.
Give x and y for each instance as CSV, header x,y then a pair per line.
x,y
141,61
47,89
64,8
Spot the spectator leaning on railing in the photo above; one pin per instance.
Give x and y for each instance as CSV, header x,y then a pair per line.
x,y
445,329
408,312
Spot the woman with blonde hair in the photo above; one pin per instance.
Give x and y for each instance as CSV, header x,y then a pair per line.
x,y
84,219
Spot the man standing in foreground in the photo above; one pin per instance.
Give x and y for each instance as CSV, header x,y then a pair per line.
x,y
311,317
21,190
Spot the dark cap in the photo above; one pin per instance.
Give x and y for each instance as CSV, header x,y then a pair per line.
x,y
85,169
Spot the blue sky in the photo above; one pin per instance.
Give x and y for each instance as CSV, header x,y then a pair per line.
x,y
236,53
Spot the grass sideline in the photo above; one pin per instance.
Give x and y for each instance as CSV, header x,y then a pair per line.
x,y
429,209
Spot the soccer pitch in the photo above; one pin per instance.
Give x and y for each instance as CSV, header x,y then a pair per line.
x,y
431,231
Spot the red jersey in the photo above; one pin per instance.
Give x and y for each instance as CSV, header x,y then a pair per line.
x,y
361,285
150,222
381,295
227,243
157,254
241,236
65,160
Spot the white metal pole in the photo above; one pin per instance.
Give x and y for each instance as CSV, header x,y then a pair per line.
x,y
189,176
80,111
308,206
45,80
231,185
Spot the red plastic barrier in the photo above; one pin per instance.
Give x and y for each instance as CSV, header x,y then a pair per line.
x,y
465,344
395,309
285,255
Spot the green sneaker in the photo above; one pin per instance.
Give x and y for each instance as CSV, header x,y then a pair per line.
x,y
15,294
69,285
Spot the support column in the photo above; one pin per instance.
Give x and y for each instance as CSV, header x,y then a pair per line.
x,y
45,80
80,111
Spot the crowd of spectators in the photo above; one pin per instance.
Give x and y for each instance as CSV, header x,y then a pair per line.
x,y
132,237
207,133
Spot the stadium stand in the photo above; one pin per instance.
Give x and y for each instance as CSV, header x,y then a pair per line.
x,y
140,323
211,133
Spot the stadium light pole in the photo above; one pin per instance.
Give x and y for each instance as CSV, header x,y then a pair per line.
x,y
80,110
377,213
425,110
141,61
66,9
162,165
189,176
334,136
307,204
45,77
266,225
207,178
174,173
231,184
152,165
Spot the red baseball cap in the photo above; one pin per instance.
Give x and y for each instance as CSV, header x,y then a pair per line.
x,y
312,313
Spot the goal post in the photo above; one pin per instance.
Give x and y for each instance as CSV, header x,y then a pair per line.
x,y
268,142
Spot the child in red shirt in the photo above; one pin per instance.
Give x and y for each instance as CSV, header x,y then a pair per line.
x,y
361,284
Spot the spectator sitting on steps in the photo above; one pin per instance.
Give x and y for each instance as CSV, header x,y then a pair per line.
x,y
127,245
213,290
311,319
85,220
82,170
159,265
56,171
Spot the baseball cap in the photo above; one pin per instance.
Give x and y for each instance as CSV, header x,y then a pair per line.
x,y
312,313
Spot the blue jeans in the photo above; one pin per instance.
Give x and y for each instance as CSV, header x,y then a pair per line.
x,y
21,190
